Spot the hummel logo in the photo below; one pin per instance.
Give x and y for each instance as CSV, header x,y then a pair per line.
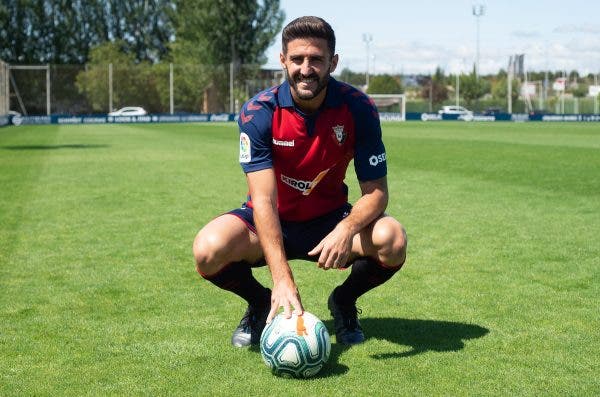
x,y
264,97
283,143
253,106
246,118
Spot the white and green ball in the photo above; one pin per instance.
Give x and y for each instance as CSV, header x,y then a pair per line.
x,y
296,347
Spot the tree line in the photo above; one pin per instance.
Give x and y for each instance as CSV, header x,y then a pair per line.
x,y
439,88
203,39
142,37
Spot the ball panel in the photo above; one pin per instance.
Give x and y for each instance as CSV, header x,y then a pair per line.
x,y
297,347
290,353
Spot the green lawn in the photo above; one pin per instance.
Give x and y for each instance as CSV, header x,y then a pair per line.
x,y
500,294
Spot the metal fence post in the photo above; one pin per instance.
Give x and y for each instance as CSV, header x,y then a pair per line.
x,y
171,103
110,87
47,89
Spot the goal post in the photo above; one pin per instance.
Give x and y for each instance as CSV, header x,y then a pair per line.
x,y
4,89
392,107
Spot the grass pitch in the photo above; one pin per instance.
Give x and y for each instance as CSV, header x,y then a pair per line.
x,y
499,296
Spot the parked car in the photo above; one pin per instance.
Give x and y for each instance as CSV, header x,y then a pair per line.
x,y
129,111
456,112
493,111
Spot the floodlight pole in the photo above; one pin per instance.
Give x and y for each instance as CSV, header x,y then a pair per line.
x,y
171,99
231,87
509,89
458,89
48,90
562,94
110,87
596,96
478,11
367,38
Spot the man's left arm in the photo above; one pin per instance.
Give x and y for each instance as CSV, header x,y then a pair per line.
x,y
335,248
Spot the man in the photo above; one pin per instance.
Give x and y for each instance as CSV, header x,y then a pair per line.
x,y
296,141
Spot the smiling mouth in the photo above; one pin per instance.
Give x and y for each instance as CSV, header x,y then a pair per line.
x,y
307,80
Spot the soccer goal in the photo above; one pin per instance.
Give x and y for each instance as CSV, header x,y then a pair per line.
x,y
392,107
30,78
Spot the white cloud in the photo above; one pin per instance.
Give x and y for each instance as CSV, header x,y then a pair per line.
x,y
525,34
542,52
586,28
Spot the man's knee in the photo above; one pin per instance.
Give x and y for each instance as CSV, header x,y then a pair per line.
x,y
208,251
390,237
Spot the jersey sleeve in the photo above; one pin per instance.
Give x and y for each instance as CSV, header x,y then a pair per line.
x,y
254,124
369,152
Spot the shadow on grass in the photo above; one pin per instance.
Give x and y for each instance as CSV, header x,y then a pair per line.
x,y
419,335
54,147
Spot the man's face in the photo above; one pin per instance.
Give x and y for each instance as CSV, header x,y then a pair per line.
x,y
308,65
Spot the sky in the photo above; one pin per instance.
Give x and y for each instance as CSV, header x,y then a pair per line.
x,y
411,37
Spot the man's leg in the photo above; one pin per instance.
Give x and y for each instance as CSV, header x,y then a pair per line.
x,y
224,251
380,251
366,274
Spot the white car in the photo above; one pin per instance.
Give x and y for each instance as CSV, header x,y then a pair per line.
x,y
455,110
462,112
129,111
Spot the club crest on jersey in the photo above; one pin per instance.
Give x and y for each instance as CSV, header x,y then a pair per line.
x,y
339,134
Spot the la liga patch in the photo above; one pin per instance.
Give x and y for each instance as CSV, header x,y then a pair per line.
x,y
245,152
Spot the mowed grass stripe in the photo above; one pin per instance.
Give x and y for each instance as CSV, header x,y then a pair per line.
x,y
561,170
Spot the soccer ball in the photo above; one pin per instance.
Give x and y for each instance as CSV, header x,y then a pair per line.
x,y
296,347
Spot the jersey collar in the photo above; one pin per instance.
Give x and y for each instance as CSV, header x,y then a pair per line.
x,y
332,99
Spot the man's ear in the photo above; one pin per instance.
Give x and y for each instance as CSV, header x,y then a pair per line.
x,y
282,60
334,62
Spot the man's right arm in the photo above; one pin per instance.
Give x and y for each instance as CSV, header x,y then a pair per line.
x,y
263,190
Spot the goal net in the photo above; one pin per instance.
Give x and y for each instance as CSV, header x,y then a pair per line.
x,y
392,107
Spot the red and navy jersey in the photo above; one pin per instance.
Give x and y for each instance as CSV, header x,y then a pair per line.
x,y
310,153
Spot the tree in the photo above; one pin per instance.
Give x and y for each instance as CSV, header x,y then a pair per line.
x,y
353,78
192,78
145,26
500,89
434,89
133,83
472,87
231,31
580,91
384,84
64,31
227,32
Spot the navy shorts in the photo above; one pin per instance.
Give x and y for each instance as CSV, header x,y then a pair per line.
x,y
300,237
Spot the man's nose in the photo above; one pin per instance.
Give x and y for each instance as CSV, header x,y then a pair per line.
x,y
306,69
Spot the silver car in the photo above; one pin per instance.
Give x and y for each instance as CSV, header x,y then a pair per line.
x,y
129,111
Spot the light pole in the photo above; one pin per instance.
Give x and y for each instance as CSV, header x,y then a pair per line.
x,y
478,11
458,89
367,38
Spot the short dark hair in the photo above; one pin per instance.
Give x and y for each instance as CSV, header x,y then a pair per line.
x,y
308,27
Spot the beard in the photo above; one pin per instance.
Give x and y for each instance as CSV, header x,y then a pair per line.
x,y
307,94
